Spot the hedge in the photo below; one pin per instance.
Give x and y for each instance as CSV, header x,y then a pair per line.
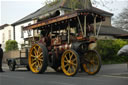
x,y
108,50
11,45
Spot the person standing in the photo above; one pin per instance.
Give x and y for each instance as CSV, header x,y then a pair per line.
x,y
1,57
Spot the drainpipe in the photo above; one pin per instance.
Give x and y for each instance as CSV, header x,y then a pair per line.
x,y
14,32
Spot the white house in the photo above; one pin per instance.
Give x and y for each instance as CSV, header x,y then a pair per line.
x,y
6,33
33,18
18,36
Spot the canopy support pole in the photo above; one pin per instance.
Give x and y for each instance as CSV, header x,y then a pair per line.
x,y
80,25
95,25
85,22
51,32
33,35
68,28
99,29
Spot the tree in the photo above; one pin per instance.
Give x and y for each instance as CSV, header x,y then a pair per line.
x,y
11,45
102,2
76,3
51,2
121,21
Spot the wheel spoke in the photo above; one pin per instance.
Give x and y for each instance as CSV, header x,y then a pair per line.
x,y
71,56
73,60
38,50
40,63
34,64
74,68
66,61
37,63
69,69
66,57
66,65
74,64
33,59
40,59
90,67
35,51
40,54
93,67
32,56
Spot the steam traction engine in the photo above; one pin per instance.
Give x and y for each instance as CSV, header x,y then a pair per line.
x,y
67,43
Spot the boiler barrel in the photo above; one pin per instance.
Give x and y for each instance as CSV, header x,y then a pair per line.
x,y
49,15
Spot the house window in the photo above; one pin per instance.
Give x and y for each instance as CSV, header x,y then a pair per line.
x,y
29,24
9,34
35,21
3,38
22,34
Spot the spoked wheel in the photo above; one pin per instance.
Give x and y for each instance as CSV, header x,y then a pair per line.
x,y
92,62
38,58
12,66
70,62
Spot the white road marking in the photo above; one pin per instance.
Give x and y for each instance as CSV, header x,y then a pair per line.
x,y
114,76
11,76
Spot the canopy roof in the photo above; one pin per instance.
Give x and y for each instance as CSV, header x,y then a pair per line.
x,y
70,17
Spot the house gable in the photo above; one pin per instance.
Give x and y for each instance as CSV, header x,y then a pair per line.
x,y
63,5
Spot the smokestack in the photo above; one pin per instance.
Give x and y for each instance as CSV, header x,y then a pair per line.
x,y
86,4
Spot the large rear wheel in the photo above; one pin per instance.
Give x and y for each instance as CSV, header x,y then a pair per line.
x,y
91,62
70,62
38,58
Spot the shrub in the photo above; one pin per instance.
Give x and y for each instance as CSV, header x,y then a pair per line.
x,y
108,50
11,45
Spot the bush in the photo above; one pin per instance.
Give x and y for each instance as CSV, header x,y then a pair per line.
x,y
11,45
108,50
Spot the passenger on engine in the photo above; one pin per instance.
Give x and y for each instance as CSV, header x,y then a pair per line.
x,y
45,38
90,30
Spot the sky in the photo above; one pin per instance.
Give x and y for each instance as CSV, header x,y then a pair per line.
x,y
13,10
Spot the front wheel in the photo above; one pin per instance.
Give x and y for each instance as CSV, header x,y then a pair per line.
x,y
38,58
91,62
70,62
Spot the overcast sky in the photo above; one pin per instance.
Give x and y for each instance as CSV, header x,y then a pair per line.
x,y
13,10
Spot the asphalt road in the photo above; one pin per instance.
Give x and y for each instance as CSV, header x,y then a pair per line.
x,y
116,74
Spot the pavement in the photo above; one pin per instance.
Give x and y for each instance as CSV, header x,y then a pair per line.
x,y
114,74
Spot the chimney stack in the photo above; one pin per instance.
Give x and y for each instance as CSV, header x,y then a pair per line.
x,y
86,4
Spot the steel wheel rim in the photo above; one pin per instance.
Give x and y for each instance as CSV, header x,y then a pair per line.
x,y
69,63
92,64
10,66
35,58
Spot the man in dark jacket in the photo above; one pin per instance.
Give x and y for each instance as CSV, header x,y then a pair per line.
x,y
1,57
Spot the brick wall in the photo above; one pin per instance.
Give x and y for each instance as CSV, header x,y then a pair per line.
x,y
12,54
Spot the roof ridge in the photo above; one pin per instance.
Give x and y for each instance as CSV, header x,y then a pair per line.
x,y
102,10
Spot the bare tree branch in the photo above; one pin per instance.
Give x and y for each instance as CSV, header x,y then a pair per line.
x,y
121,21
